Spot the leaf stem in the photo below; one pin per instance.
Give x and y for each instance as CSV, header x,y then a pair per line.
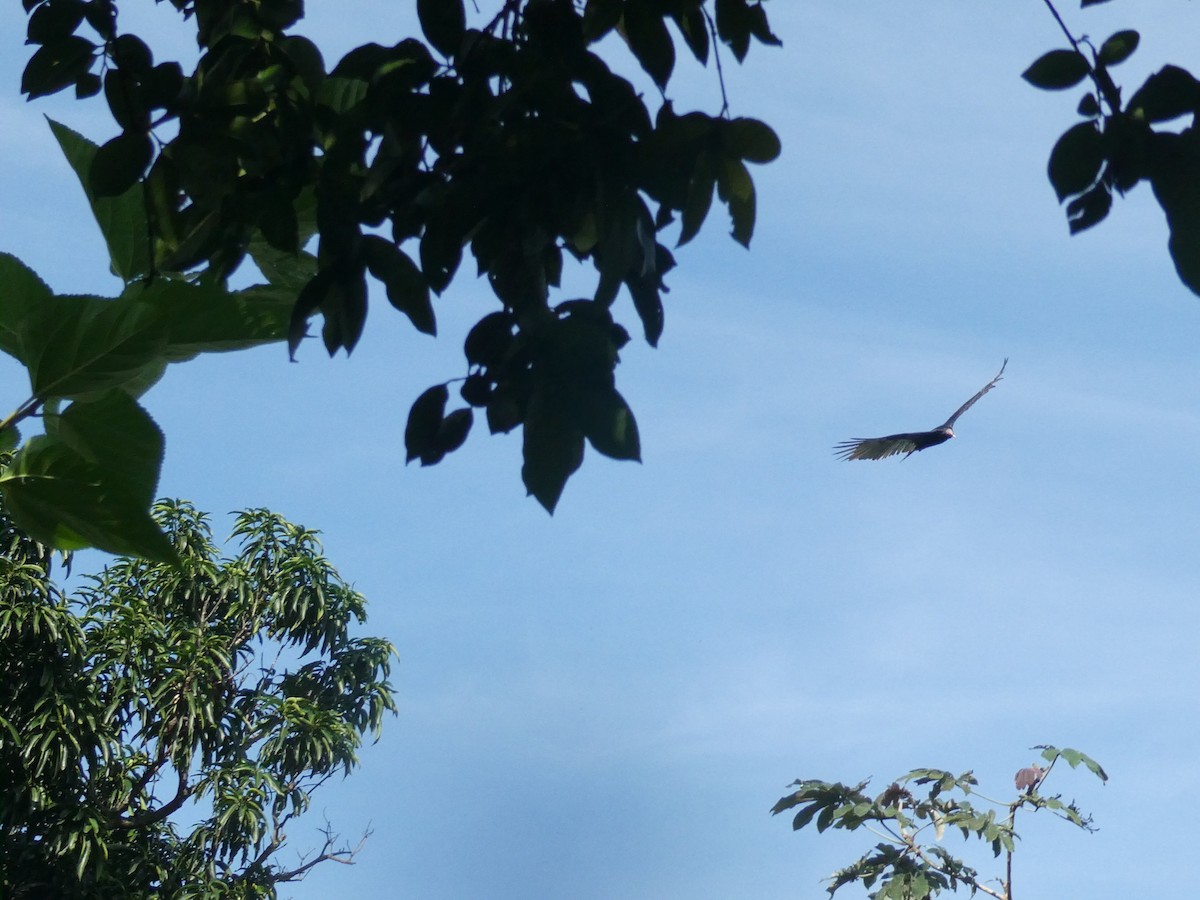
x,y
716,46
26,410
1062,25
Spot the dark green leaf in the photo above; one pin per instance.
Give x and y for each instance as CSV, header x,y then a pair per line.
x,y
122,219
56,65
504,410
424,425
1168,93
476,389
1088,106
120,163
444,22
608,423
648,38
342,95
306,58
600,17
694,28
736,188
552,450
10,437
126,100
115,433
1076,159
311,296
290,271
441,253
77,346
453,430
751,140
131,53
699,199
163,84
733,26
1118,48
278,224
406,286
91,491
210,319
344,309
24,295
1089,208
1057,70
1175,177
87,85
759,27
489,339
54,20
647,301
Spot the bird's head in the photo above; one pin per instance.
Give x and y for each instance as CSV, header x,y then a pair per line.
x,y
948,432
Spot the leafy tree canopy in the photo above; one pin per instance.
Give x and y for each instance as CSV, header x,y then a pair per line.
x,y
1122,142
504,134
219,691
912,815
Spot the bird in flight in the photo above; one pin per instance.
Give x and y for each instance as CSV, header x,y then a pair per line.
x,y
912,441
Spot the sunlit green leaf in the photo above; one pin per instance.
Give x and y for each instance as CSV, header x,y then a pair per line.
x,y
122,219
76,346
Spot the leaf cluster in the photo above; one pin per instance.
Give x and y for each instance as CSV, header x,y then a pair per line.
x,y
90,477
510,139
911,817
1117,144
226,689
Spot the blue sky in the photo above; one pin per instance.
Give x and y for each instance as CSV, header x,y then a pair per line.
x,y
606,703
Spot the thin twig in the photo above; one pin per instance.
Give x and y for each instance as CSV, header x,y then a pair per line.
x,y
1062,25
716,48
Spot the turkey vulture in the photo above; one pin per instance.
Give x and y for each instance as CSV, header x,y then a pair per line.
x,y
912,441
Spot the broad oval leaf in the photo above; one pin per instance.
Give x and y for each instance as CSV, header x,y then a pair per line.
x,y
600,17
24,294
751,140
78,346
444,22
424,423
10,437
1175,177
1057,70
89,488
1168,93
1076,159
120,163
407,289
1089,208
646,33
489,339
56,65
552,449
608,423
453,431
736,188
1118,48
54,20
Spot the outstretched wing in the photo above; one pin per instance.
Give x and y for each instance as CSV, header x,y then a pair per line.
x,y
878,448
987,387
